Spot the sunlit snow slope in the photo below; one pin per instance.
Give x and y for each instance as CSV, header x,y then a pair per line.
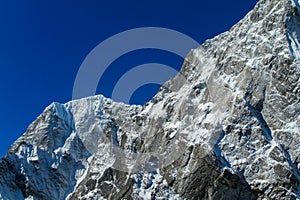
x,y
227,127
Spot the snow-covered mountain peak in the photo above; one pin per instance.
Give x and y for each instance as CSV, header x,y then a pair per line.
x,y
227,126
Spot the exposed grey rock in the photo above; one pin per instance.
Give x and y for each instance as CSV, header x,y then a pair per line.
x,y
227,127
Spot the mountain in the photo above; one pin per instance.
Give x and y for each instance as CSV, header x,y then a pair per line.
x,y
227,127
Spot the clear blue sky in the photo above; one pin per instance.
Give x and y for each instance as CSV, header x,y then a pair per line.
x,y
43,43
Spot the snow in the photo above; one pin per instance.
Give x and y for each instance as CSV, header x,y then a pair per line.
x,y
296,3
205,106
147,184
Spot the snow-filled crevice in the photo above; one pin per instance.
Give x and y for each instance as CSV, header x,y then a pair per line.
x,y
290,162
224,163
190,152
294,44
264,126
293,29
296,3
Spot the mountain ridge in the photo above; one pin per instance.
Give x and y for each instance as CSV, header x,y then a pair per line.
x,y
226,127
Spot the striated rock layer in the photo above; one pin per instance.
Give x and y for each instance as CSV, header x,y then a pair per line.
x,y
227,127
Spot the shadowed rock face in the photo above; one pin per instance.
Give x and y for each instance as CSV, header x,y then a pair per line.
x,y
227,127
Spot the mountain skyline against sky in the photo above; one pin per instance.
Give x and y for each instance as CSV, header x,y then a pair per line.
x,y
226,126
44,43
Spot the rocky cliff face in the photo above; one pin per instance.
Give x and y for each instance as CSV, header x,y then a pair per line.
x,y
227,127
